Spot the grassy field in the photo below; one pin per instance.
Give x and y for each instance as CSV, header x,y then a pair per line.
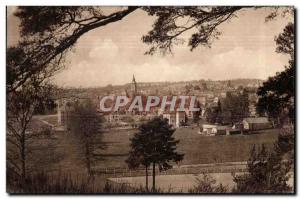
x,y
61,150
197,149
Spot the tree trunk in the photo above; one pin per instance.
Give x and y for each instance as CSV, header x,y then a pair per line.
x,y
87,155
153,177
23,157
147,178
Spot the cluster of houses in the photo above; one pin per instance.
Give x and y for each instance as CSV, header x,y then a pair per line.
x,y
247,125
124,118
176,118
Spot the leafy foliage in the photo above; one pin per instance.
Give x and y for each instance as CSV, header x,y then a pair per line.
x,y
268,171
20,108
154,144
85,125
172,22
231,109
206,184
48,32
276,96
285,40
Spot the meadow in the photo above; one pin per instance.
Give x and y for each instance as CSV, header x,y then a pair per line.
x,y
60,151
197,149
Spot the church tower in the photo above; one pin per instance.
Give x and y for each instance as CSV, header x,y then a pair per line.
x,y
134,86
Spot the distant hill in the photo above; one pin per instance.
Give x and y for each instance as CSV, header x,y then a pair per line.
x,y
97,91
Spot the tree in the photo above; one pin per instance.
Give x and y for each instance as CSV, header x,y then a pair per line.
x,y
22,102
21,105
207,184
197,114
211,114
85,124
154,144
140,152
268,170
48,32
235,107
45,107
232,109
219,117
202,20
276,95
285,40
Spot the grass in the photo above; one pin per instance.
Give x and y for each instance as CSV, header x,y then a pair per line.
x,y
59,151
216,149
197,149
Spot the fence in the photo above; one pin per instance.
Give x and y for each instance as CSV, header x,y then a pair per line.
x,y
184,169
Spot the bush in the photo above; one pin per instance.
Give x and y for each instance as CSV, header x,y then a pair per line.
x,y
269,171
206,184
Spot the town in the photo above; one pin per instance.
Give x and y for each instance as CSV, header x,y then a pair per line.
x,y
217,113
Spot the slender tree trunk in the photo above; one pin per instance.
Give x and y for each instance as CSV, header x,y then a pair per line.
x,y
23,157
87,154
153,177
146,177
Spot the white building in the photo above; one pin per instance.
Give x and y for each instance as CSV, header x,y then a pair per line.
x,y
175,118
256,123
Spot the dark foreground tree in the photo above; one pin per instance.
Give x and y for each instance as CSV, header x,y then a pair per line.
x,y
277,95
21,105
48,32
269,171
154,144
140,153
172,22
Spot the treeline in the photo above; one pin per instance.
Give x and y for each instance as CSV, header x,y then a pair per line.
x,y
229,110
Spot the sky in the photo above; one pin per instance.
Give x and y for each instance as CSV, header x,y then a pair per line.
x,y
113,53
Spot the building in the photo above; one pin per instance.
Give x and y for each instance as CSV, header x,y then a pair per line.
x,y
222,130
256,123
207,129
212,130
176,119
133,86
63,111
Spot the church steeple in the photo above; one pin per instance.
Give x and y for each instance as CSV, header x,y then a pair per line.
x,y
134,85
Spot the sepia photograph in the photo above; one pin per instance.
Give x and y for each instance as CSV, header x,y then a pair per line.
x,y
150,100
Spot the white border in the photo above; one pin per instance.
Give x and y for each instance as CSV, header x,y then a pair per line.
x,y
3,5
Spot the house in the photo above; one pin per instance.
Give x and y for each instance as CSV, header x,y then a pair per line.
x,y
212,130
256,123
175,118
208,129
238,126
221,130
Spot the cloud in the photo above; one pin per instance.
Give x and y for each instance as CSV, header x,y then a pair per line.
x,y
110,55
107,49
245,63
106,64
